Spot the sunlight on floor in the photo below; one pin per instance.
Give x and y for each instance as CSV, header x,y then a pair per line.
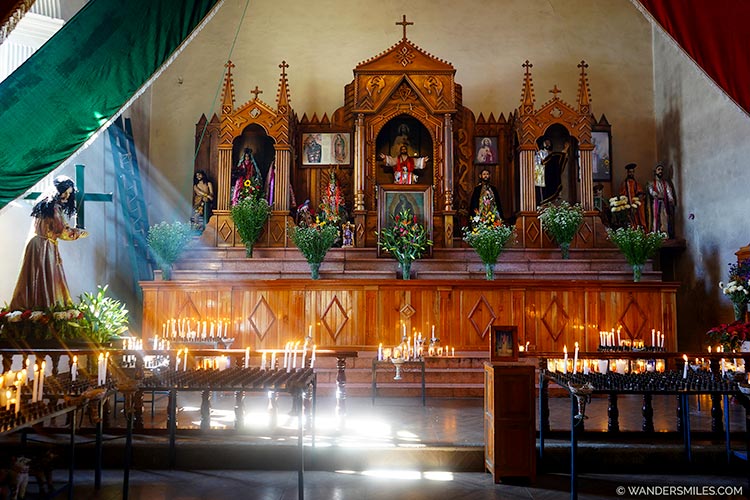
x,y
407,475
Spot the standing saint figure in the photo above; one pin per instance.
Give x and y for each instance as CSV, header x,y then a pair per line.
x,y
484,199
663,202
41,283
405,165
248,171
203,197
633,191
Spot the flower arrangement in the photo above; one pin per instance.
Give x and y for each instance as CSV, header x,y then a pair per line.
x,y
167,242
730,336
622,210
561,222
96,318
488,236
251,188
314,241
405,238
637,245
250,215
738,288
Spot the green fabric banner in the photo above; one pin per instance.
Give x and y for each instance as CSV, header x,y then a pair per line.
x,y
80,78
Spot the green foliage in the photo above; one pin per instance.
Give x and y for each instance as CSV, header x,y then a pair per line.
x,y
561,221
168,241
314,241
488,236
405,238
636,244
104,318
250,215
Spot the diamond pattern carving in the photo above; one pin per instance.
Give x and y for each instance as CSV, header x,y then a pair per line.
x,y
188,309
334,318
277,232
255,112
225,230
532,231
404,56
585,232
555,319
633,319
481,317
261,318
407,311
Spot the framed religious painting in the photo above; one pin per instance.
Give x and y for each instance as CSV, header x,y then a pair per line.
x,y
485,150
395,198
601,156
324,149
504,343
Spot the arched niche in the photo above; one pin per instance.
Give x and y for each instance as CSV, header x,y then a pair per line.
x,y
255,138
409,131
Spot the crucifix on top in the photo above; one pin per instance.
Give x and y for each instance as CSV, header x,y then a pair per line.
x,y
404,23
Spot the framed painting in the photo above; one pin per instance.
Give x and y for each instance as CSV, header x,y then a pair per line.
x,y
485,150
504,343
601,156
319,149
393,198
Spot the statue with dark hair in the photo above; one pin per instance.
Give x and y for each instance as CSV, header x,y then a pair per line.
x,y
41,283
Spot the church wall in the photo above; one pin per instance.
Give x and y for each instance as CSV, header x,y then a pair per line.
x,y
486,41
704,136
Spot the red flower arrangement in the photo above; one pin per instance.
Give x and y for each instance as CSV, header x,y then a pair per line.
x,y
730,336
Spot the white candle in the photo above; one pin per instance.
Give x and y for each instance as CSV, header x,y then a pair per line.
x,y
294,355
309,331
273,360
99,368
433,331
106,364
35,385
247,357
74,369
286,354
184,360
404,325
586,367
453,351
8,397
18,397
263,361
565,359
304,355
312,358
685,367
204,329
380,352
211,331
619,342
653,332
575,360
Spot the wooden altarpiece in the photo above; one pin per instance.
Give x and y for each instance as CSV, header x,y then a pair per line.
x,y
531,124
403,80
215,143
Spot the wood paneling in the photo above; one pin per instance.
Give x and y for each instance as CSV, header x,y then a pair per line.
x,y
549,313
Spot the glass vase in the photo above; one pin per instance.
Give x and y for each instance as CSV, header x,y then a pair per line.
x,y
166,272
565,249
405,269
489,271
637,272
740,308
315,270
249,250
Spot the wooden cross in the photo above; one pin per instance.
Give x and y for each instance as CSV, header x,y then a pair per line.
x,y
583,67
404,23
256,91
81,197
283,67
555,91
527,65
229,65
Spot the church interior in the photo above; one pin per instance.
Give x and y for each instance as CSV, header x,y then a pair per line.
x,y
480,248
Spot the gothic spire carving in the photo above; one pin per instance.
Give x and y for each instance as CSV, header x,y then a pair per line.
x,y
527,95
282,97
584,91
227,98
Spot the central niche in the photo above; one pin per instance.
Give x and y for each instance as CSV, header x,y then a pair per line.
x,y
408,131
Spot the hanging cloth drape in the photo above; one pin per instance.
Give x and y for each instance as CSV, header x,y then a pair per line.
x,y
715,35
76,82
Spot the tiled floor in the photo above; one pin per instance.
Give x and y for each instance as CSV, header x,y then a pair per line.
x,y
364,442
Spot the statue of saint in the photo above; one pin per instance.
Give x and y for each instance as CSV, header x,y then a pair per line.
x,y
404,166
663,202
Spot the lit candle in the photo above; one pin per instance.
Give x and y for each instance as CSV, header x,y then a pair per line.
x,y
619,343
247,357
565,359
204,330
273,360
40,389
184,360
106,364
685,367
294,355
74,369
653,332
309,331
312,358
263,361
177,361
380,352
211,330
453,351
404,325
575,360
99,369
304,355
433,331
8,396
658,333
